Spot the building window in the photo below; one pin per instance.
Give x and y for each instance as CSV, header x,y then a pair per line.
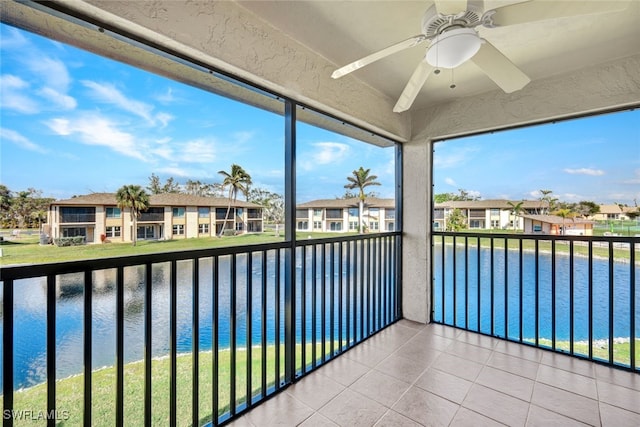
x,y
495,212
317,212
303,225
301,213
474,223
353,211
178,229
335,225
69,214
390,214
374,225
113,231
203,212
495,223
353,225
392,226
374,211
334,213
146,232
239,226
317,225
74,232
239,212
178,213
203,228
113,213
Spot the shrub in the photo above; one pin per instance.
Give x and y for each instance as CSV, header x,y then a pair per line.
x,y
69,241
229,233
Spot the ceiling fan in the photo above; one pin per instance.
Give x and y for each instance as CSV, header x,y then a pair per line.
x,y
450,27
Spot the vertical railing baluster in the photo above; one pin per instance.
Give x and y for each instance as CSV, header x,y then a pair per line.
x,y
303,307
263,323
361,289
215,314
233,325
277,321
478,286
314,311
348,294
195,342
120,346
173,344
323,302
340,284
590,297
536,260
332,296
443,279
632,305
7,350
373,268
379,279
492,306
148,345
466,282
611,301
51,348
87,350
571,296
553,294
368,284
521,288
454,288
506,288
249,328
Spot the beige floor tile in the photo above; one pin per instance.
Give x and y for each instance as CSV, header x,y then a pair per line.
x,y
444,385
353,409
566,403
402,368
571,364
497,406
617,377
467,418
443,331
540,417
520,350
315,390
432,341
317,420
380,387
469,352
411,324
621,397
507,383
458,366
368,354
426,408
344,371
394,419
418,351
282,410
569,381
616,417
478,340
514,365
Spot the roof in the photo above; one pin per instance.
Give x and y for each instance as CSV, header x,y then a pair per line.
x,y
610,209
491,204
166,199
371,202
554,219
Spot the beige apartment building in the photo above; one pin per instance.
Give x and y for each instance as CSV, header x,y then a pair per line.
x,y
487,214
97,216
341,215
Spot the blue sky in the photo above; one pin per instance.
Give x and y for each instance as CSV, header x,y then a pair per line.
x,y
73,123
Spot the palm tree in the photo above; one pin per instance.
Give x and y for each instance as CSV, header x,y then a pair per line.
x,y
238,180
136,200
564,214
361,180
516,207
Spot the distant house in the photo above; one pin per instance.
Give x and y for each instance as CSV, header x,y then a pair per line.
x,y
608,212
556,225
486,214
170,216
341,215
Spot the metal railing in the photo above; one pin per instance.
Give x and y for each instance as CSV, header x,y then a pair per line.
x,y
77,217
240,323
569,294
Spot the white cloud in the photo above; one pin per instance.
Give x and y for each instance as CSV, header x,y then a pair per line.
x,y
457,157
164,119
450,182
93,129
20,140
326,153
584,171
109,94
13,97
60,100
51,71
635,180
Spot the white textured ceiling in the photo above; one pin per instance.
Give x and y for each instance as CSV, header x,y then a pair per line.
x,y
343,31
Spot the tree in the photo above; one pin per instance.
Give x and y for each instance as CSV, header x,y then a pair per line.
x,y
361,180
516,208
564,214
238,180
170,186
456,221
202,189
546,198
463,195
136,200
586,208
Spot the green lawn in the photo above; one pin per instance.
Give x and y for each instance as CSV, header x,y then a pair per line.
x,y
27,250
69,391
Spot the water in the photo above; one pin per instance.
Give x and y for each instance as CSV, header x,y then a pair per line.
x,y
30,313
563,271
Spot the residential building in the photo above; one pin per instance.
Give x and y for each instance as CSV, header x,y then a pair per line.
x,y
341,215
169,216
487,214
553,224
608,213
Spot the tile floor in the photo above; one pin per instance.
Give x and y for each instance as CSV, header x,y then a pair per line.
x,y
432,375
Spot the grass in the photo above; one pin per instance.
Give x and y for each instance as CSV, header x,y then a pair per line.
x,y
621,351
27,250
69,391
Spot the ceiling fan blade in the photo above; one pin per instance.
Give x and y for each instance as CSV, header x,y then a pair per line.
x,y
499,68
405,44
531,11
450,7
411,90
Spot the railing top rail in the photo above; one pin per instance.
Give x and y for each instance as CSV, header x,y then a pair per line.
x,y
368,236
616,239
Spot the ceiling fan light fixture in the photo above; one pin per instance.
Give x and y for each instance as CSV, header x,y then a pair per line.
x,y
453,48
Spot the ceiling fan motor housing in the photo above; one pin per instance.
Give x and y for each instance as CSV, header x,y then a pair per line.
x,y
434,23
